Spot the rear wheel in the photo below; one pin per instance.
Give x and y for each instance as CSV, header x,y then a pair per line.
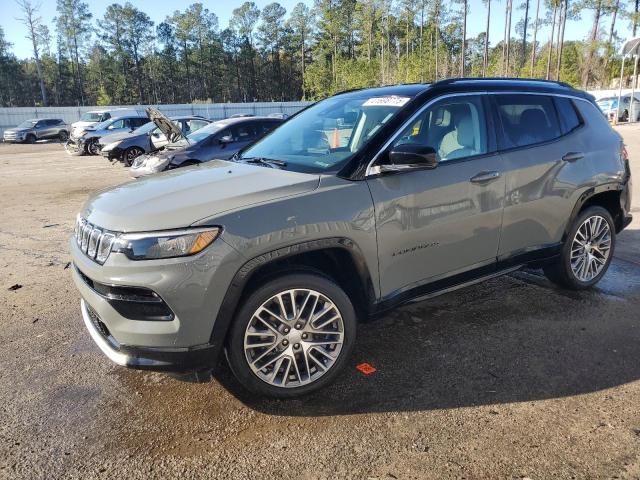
x,y
587,252
131,154
292,336
63,136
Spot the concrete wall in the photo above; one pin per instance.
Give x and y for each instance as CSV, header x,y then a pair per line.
x,y
10,117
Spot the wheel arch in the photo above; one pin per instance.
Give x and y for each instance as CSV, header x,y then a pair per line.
x,y
339,259
608,196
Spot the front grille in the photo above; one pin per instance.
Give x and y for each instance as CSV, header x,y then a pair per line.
x,y
95,242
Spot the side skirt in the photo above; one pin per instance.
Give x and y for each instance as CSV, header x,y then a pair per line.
x,y
530,257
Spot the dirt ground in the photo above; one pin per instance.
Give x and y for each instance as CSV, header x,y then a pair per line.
x,y
509,379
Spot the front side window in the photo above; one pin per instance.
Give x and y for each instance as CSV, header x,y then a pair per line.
x,y
527,119
454,127
328,134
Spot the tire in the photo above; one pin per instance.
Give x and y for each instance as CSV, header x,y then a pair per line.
x,y
291,349
31,138
91,147
63,136
130,155
625,116
576,274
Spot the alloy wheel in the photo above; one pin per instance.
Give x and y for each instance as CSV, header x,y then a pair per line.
x,y
294,338
93,147
132,153
590,248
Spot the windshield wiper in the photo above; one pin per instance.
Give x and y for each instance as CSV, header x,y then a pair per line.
x,y
263,161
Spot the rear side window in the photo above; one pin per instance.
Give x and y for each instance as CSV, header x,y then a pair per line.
x,y
569,119
527,119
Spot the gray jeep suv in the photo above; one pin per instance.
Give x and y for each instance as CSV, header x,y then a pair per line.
x,y
37,129
275,255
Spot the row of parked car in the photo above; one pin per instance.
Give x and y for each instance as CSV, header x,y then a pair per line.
x,y
150,142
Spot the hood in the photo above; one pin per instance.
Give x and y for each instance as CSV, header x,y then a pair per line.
x,y
115,137
17,130
181,197
166,126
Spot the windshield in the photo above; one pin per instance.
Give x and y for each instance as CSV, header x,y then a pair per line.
x,y
27,124
329,133
91,117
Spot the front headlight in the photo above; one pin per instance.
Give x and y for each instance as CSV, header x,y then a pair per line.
x,y
110,146
167,244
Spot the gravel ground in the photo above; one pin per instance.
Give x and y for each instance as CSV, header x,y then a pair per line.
x,y
512,378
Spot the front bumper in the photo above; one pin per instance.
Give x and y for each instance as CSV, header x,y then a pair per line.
x,y
161,359
113,154
74,146
143,170
12,137
193,288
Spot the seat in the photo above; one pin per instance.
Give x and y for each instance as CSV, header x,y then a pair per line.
x,y
533,127
465,137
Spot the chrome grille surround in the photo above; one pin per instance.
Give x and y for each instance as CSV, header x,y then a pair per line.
x,y
95,242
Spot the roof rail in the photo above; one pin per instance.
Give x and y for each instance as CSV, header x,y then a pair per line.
x,y
449,81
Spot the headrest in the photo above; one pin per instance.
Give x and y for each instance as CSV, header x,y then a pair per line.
x,y
533,117
464,129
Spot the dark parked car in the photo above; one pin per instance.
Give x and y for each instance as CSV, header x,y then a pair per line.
x,y
39,128
220,140
125,146
367,200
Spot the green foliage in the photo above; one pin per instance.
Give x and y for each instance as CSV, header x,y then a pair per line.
x,y
103,97
319,48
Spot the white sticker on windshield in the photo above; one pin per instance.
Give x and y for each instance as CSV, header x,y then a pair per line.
x,y
390,101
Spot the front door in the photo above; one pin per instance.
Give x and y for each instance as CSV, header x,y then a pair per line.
x,y
432,224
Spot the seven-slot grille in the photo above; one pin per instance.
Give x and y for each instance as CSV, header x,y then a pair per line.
x,y
93,241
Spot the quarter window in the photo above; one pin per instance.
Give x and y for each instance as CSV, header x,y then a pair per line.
x,y
527,119
569,119
454,127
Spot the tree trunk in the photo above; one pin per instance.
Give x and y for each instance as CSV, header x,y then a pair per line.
x,y
464,37
611,32
508,45
485,58
524,33
592,47
563,22
635,17
553,30
533,42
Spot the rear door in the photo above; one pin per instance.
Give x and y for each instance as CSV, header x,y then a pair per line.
x,y
433,224
539,182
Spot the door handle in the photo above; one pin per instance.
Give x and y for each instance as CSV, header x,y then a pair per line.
x,y
485,177
572,156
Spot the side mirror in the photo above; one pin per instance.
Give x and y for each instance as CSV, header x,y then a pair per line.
x,y
226,139
410,157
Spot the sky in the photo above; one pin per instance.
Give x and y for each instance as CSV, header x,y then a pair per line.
x,y
159,9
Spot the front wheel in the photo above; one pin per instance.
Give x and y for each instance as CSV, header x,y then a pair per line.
x,y
292,336
31,138
131,154
587,252
92,147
